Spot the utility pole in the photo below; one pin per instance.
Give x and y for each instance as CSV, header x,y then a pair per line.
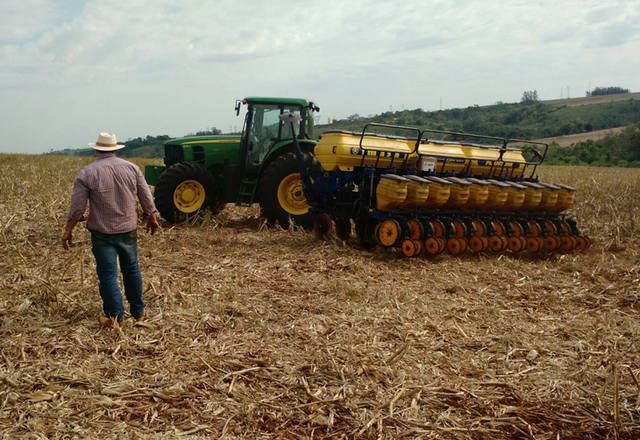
x,y
568,93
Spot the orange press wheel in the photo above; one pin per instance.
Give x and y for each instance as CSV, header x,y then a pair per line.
x,y
475,244
408,247
387,232
550,243
495,243
497,226
415,228
587,241
463,243
460,230
517,228
567,243
438,228
534,244
581,243
515,244
551,228
418,244
432,246
534,229
479,227
454,247
442,244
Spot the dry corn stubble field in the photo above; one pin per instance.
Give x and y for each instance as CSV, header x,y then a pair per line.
x,y
265,333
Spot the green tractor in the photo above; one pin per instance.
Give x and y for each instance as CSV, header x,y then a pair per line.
x,y
259,166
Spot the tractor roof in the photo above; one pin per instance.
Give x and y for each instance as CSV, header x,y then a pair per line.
x,y
272,100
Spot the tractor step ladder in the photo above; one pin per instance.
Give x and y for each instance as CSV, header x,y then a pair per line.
x,y
247,191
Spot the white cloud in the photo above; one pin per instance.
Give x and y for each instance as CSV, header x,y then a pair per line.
x,y
165,66
22,19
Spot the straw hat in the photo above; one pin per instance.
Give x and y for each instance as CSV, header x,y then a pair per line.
x,y
106,142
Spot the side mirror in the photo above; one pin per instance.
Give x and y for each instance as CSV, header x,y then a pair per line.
x,y
238,104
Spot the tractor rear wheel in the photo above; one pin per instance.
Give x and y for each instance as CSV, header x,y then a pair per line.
x,y
185,189
281,192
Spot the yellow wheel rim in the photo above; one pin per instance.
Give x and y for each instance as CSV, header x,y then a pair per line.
x,y
291,195
189,196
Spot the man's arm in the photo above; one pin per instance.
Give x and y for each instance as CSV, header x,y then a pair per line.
x,y
146,201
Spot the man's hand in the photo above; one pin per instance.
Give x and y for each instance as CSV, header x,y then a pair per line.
x,y
152,224
66,235
66,239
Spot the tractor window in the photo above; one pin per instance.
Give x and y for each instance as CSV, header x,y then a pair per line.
x,y
286,128
265,128
263,131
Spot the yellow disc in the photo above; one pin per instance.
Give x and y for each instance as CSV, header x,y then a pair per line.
x,y
189,196
291,195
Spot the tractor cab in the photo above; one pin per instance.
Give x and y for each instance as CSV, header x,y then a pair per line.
x,y
264,132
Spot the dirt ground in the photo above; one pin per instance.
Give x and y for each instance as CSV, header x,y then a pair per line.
x,y
265,333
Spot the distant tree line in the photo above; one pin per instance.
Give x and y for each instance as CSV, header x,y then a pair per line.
x,y
148,146
513,120
606,91
211,131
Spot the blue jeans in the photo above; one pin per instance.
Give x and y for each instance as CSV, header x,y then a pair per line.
x,y
107,249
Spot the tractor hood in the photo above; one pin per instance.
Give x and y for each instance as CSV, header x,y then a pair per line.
x,y
202,139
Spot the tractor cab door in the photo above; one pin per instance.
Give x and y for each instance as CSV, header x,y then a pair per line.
x,y
263,129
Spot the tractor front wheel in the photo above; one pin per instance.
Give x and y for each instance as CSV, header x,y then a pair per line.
x,y
183,190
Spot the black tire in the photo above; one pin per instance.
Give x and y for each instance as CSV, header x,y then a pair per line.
x,y
177,175
281,171
365,228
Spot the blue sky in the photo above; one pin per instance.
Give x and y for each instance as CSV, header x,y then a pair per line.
x,y
70,69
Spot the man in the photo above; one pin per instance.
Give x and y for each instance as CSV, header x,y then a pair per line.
x,y
111,186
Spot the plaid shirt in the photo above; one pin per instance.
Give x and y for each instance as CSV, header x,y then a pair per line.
x,y
111,185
